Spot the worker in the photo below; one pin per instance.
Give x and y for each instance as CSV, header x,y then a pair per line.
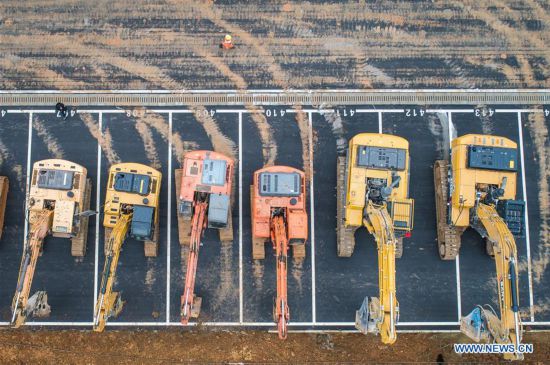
x,y
227,42
61,110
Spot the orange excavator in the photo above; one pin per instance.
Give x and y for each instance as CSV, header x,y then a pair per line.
x,y
204,201
279,214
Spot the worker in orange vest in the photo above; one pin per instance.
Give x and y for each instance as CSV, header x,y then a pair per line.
x,y
227,42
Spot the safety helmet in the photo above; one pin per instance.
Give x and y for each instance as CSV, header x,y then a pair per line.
x,y
227,38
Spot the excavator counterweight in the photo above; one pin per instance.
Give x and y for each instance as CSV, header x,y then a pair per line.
x,y
58,203
279,214
372,191
477,189
204,201
131,209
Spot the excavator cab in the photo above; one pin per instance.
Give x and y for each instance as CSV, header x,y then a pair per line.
x,y
204,201
131,209
134,189
58,204
478,189
372,191
278,205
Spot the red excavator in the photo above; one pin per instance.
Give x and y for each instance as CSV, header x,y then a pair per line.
x,y
204,201
278,204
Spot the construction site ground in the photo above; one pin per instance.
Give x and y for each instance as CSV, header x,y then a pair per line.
x,y
324,290
351,45
173,346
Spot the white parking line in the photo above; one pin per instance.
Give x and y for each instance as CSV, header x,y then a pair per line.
x,y
457,260
380,110
29,151
526,216
169,221
97,207
519,110
241,302
312,221
380,122
449,111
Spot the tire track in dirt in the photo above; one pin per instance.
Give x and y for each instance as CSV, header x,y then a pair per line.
x,y
148,143
7,158
104,139
538,129
158,123
226,290
47,138
220,141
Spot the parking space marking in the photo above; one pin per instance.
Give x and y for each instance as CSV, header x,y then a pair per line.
x,y
526,217
450,128
312,220
380,110
519,110
169,217
29,151
97,205
241,314
449,111
380,122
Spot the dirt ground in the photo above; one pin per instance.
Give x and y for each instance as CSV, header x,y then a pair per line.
x,y
174,346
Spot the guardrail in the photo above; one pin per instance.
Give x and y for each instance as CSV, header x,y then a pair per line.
x,y
159,98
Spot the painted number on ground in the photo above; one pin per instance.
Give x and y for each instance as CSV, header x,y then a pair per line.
x,y
413,112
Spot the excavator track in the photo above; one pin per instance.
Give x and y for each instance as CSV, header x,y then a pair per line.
x,y
184,224
299,250
398,247
448,238
79,243
345,236
151,247
258,243
226,234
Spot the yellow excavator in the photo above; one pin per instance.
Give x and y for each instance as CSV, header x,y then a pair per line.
x,y
131,207
372,191
478,190
58,204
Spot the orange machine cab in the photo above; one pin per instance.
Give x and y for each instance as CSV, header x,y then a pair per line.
x,y
207,172
279,187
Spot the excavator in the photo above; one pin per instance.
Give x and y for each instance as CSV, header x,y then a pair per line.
x,y
204,201
478,189
278,205
131,208
58,204
4,185
372,191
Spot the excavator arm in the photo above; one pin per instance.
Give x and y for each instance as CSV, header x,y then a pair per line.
x,y
36,305
379,315
190,304
279,238
109,303
482,323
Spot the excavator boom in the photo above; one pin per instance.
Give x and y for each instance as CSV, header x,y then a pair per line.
x,y
280,240
198,226
109,303
22,305
379,315
501,244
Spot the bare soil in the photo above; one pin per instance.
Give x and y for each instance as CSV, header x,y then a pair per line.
x,y
174,346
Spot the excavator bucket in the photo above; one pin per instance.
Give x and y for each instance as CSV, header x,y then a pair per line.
x,y
474,325
367,316
38,305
